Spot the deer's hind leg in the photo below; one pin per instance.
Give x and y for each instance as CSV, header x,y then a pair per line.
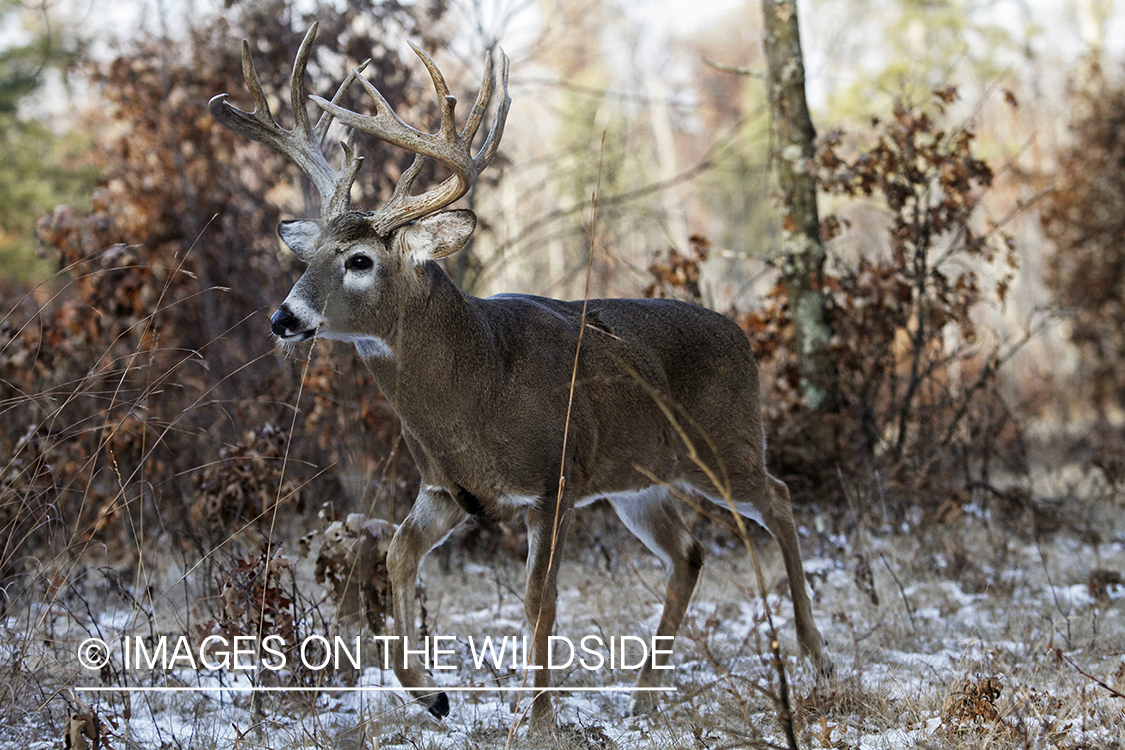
x,y
765,499
653,517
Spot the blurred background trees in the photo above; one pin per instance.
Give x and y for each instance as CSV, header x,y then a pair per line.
x,y
1085,221
968,170
44,164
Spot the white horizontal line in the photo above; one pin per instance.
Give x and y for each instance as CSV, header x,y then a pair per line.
x,y
368,689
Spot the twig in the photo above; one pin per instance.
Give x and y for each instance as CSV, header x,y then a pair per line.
x,y
1054,591
741,70
902,592
1059,653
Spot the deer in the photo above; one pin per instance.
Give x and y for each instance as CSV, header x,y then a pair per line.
x,y
518,404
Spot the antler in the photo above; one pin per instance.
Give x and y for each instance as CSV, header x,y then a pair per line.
x,y
446,146
303,145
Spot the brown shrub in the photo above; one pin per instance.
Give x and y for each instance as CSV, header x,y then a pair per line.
x,y
917,386
1085,218
142,380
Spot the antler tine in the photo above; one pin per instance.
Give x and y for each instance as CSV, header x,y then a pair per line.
x,y
297,81
250,75
446,101
476,114
496,132
445,146
259,124
406,182
320,130
386,125
302,144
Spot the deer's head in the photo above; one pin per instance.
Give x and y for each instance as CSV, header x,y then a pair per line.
x,y
358,261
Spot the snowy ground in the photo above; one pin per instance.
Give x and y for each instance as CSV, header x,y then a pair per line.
x,y
925,623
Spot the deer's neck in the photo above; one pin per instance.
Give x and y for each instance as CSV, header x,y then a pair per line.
x,y
438,346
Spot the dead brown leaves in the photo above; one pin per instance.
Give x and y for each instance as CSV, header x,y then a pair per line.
x,y
677,275
973,702
351,562
910,376
83,729
245,482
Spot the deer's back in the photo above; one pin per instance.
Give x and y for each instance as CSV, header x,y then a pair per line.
x,y
652,374
681,349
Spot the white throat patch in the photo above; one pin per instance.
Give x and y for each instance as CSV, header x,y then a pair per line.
x,y
373,346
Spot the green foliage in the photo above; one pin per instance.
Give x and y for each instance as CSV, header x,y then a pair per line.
x,y
737,187
918,46
41,168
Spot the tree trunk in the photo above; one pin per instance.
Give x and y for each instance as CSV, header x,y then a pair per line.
x,y
803,265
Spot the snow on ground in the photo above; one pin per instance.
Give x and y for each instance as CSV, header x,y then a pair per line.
x,y
951,614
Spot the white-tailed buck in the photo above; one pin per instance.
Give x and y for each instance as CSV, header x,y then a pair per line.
x,y
664,399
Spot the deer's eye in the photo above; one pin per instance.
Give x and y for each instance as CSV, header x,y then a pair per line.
x,y
359,262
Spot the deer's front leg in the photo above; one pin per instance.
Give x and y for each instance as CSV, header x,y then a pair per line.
x,y
545,540
433,517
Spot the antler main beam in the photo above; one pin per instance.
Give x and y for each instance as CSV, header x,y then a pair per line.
x,y
446,146
303,145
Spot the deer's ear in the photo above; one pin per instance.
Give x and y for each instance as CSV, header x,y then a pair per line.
x,y
438,235
300,235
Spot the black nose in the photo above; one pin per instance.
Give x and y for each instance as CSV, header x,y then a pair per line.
x,y
283,322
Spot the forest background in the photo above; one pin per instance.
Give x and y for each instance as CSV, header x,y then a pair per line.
x,y
971,167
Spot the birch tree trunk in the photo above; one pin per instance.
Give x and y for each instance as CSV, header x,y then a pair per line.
x,y
803,264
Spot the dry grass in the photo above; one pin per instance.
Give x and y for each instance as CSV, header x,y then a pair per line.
x,y
980,635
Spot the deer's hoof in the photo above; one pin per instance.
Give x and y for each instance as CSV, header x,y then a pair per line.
x,y
824,668
440,707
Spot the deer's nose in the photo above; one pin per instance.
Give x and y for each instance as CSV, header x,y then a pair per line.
x,y
284,323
